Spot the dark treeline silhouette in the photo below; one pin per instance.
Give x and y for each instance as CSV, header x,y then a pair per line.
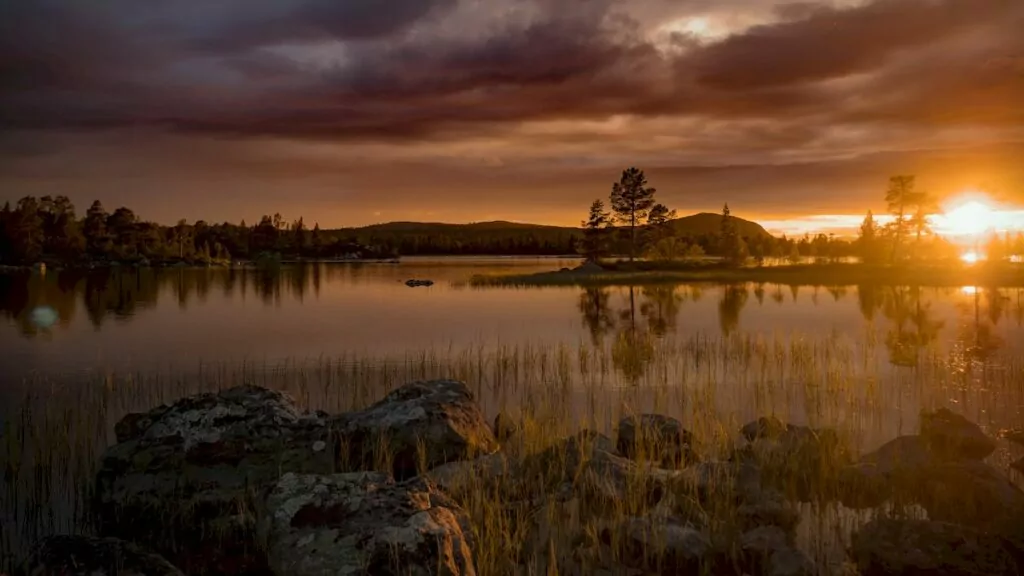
x,y
48,229
638,226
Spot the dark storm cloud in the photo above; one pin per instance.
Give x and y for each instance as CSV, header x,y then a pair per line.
x,y
211,66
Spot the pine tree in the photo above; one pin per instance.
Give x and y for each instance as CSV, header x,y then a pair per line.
x,y
900,197
595,231
868,241
631,201
733,249
97,241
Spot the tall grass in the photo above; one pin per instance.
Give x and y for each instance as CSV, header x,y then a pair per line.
x,y
54,435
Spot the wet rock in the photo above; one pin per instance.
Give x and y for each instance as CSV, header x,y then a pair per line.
x,y
364,523
666,545
87,556
505,427
420,424
186,479
954,437
887,547
656,438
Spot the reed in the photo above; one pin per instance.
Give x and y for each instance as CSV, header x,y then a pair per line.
x,y
54,435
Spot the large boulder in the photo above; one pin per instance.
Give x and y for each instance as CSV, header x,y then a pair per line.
x,y
888,547
953,437
186,479
88,556
365,523
415,428
656,438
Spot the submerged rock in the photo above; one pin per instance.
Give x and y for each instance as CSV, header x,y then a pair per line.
x,y
656,438
416,283
364,523
953,437
186,479
887,547
420,425
87,556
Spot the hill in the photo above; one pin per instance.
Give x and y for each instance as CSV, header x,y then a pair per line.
x,y
501,237
709,223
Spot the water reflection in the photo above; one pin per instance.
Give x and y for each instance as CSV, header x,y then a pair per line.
x,y
909,321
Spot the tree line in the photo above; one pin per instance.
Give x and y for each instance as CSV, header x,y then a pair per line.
x,y
48,229
638,225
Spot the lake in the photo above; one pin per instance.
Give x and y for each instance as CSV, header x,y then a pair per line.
x,y
79,349
143,321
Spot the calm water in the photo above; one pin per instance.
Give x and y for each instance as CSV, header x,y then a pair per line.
x,y
138,320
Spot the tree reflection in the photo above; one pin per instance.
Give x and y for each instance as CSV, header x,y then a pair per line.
x,y
734,298
977,336
913,326
595,308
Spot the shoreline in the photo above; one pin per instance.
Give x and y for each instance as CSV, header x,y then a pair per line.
x,y
845,274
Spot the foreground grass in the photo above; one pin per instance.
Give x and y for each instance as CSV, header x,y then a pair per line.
x,y
52,438
624,274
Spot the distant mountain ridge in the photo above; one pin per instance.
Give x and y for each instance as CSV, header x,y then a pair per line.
x,y
695,224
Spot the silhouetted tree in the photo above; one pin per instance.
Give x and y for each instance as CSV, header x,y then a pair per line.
x,y
867,243
631,201
900,197
733,249
97,240
595,231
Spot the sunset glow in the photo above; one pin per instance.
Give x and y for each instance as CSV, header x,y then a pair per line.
x,y
972,257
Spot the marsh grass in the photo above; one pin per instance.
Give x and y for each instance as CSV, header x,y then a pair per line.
x,y
54,436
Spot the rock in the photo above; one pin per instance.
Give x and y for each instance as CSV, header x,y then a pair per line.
x,y
876,476
586,466
803,462
973,494
416,283
186,479
88,556
730,482
486,472
669,546
505,427
769,427
420,424
768,508
887,547
791,562
364,523
954,437
1015,436
1018,465
656,438
588,267
767,550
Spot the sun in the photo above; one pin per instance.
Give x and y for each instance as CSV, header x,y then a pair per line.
x,y
971,257
966,218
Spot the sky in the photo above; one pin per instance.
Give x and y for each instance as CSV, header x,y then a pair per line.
x,y
350,112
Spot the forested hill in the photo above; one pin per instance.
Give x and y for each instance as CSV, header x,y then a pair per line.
x,y
707,223
500,237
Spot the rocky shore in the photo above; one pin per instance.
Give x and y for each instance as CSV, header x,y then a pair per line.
x,y
243,482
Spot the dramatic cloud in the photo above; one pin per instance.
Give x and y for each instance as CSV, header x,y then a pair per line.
x,y
519,86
